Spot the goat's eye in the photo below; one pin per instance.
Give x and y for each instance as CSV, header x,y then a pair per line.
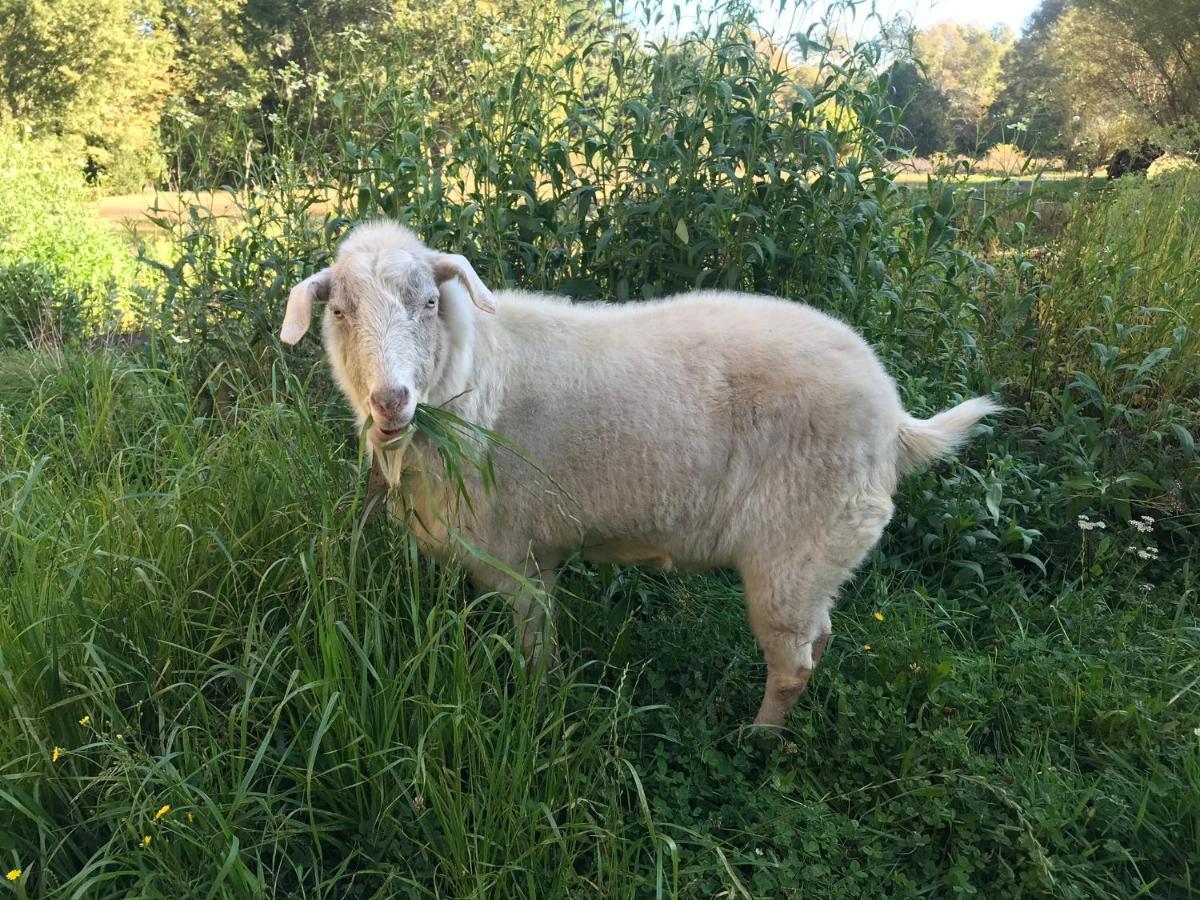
x,y
431,303
337,313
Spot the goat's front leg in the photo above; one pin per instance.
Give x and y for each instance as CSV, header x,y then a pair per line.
x,y
533,616
529,586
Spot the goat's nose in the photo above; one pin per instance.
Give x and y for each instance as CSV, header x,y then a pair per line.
x,y
389,402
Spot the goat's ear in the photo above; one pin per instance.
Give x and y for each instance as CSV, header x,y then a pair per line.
x,y
299,306
451,265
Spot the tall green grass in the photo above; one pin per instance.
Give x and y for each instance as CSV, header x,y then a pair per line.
x,y
197,618
1127,294
1098,328
201,622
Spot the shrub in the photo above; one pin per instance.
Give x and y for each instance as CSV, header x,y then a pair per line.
x,y
38,307
610,170
1170,163
1003,159
45,226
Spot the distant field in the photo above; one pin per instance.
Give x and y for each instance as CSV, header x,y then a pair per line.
x,y
982,178
123,212
135,211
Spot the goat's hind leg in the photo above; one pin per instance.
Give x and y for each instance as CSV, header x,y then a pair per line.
x,y
789,613
533,615
789,597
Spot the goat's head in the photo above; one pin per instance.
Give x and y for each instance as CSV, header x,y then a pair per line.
x,y
389,303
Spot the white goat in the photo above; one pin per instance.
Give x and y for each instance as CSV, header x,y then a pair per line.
x,y
705,430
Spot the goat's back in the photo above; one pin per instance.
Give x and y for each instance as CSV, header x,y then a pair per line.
x,y
671,418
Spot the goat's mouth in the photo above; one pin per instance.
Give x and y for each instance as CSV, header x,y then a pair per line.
x,y
383,436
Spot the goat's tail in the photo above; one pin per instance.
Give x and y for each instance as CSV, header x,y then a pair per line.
x,y
924,440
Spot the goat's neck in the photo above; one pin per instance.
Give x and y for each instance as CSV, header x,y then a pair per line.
x,y
470,380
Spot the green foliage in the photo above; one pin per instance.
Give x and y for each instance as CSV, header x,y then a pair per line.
x,y
94,71
1089,77
920,110
600,170
963,64
1029,109
37,307
1152,49
58,264
1095,57
1098,335
249,70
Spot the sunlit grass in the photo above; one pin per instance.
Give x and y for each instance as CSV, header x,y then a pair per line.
x,y
198,618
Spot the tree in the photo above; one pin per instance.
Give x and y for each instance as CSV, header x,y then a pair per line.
x,y
245,69
1131,71
963,63
220,57
1091,76
1029,110
95,72
921,110
1152,48
1107,80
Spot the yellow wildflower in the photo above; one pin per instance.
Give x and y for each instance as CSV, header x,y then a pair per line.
x,y
13,874
166,808
878,616
145,842
85,721
55,754
867,648
120,737
189,817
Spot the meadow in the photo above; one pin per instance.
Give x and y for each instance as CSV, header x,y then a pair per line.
x,y
220,678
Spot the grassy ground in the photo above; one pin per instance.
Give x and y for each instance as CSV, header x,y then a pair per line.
x,y
211,666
